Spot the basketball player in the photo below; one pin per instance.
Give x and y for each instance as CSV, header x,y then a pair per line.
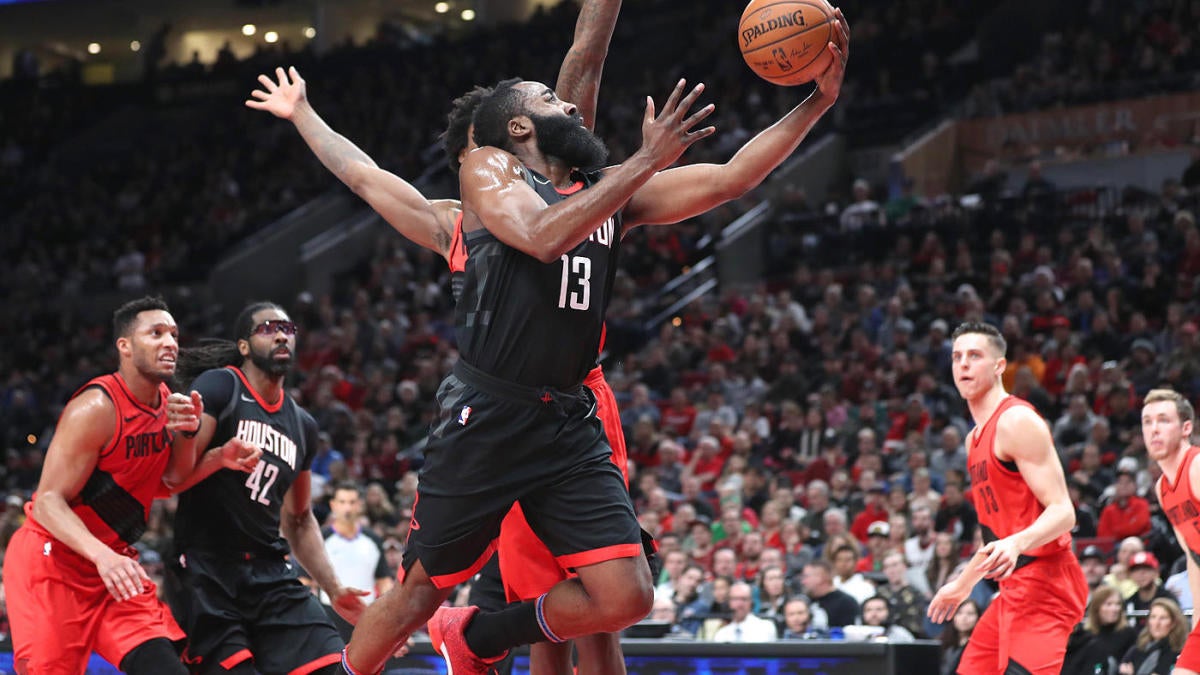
x,y
243,606
1026,517
1168,420
529,569
541,266
73,581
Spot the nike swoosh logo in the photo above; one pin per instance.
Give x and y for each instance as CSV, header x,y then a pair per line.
x,y
247,399
130,419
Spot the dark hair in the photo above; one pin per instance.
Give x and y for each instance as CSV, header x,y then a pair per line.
x,y
458,123
494,111
213,353
124,316
985,329
348,485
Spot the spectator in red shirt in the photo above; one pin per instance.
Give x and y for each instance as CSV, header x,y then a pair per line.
x,y
873,511
1127,515
707,463
679,414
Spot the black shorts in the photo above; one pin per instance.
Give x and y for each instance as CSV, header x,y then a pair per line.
x,y
497,443
240,610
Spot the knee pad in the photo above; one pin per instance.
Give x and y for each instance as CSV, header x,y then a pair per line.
x,y
153,656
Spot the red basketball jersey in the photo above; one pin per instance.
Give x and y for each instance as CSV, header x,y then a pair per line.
x,y
115,502
1003,500
1182,510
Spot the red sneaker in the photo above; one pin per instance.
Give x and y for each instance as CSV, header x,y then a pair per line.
x,y
446,633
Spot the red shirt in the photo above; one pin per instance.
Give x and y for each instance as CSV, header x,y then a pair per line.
x,y
1182,510
1003,501
115,502
863,520
1132,520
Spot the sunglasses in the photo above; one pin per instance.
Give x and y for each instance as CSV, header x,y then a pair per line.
x,y
272,326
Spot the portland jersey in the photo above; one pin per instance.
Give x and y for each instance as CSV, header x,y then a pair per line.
x,y
115,502
534,323
232,512
1003,501
1182,510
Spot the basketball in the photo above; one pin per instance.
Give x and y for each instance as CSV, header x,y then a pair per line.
x,y
783,41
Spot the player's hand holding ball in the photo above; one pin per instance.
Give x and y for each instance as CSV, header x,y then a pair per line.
x,y
793,42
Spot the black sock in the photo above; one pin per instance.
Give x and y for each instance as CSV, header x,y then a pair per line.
x,y
492,633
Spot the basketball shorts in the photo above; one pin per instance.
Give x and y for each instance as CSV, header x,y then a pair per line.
x,y
60,611
1028,623
528,569
499,443
252,610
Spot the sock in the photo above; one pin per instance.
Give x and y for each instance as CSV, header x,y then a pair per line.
x,y
491,634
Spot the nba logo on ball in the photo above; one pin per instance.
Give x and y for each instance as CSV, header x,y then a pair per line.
x,y
783,41
464,415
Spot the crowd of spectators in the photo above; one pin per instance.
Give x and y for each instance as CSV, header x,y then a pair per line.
x,y
795,444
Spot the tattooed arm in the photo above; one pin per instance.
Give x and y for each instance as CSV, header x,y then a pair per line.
x,y
579,76
425,222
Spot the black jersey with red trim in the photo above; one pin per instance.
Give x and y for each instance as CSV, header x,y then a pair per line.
x,y
533,323
232,512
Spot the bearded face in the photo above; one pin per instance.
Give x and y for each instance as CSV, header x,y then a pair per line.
x,y
565,138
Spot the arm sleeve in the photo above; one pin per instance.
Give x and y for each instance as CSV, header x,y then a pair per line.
x,y
216,387
312,440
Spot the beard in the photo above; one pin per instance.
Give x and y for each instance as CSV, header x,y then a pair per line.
x,y
566,138
267,362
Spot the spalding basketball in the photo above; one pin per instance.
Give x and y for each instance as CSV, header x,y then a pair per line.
x,y
783,41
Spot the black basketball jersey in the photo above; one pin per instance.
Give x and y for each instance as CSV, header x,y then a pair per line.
x,y
233,512
534,323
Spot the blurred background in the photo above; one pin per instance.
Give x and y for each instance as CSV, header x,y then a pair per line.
x,y
782,362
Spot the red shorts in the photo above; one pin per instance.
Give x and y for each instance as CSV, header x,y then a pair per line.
x,y
1189,658
61,612
527,567
1029,621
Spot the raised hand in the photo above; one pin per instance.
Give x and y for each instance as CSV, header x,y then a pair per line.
x,y
830,81
665,137
183,412
280,98
240,455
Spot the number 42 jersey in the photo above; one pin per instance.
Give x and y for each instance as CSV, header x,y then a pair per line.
x,y
233,512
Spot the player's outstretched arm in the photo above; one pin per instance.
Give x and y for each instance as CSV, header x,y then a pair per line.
x,y
427,223
299,526
495,193
87,425
687,191
583,66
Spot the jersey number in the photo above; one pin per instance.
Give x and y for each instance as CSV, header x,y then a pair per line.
x,y
581,268
989,500
260,481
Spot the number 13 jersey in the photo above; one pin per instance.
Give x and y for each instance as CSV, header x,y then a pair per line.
x,y
1003,501
233,512
533,323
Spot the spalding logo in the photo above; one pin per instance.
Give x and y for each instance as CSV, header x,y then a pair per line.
x,y
767,23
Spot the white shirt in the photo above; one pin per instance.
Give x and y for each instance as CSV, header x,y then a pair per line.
x,y
856,586
918,557
750,629
357,561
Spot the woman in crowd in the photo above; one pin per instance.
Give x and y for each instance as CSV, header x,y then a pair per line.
x,y
945,559
1159,643
1103,638
956,635
772,593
